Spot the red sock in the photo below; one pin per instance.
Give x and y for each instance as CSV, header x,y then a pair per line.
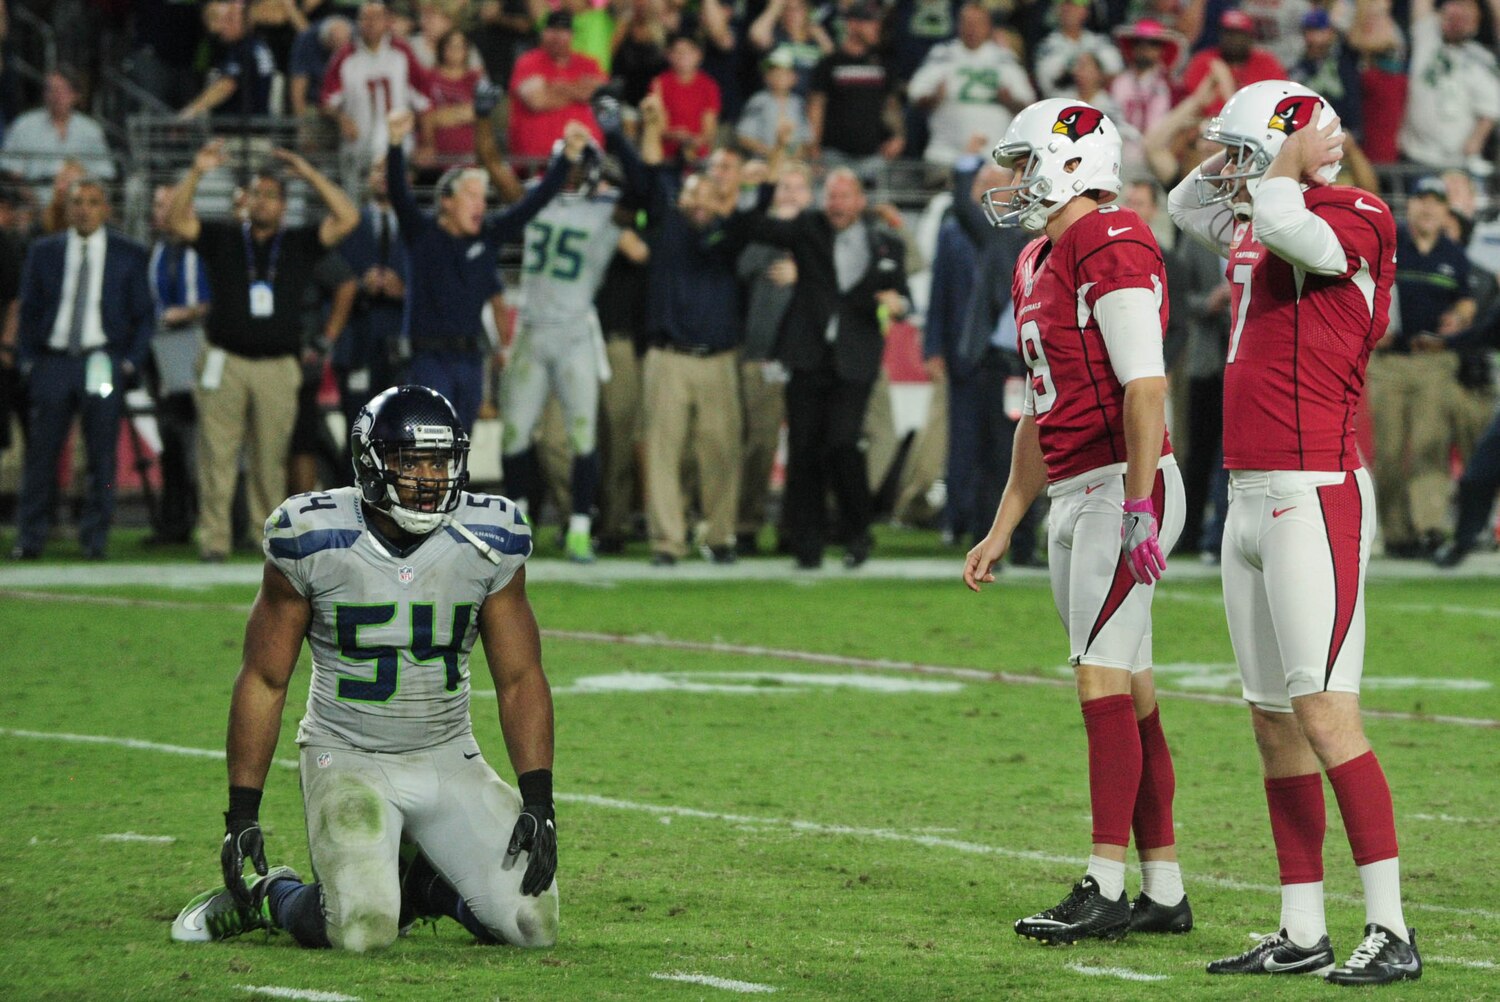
x,y
1153,802
1365,802
1114,766
1298,823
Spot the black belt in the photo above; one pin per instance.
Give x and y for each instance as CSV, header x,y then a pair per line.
x,y
449,346
694,350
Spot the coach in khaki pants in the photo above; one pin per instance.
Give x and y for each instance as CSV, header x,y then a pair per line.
x,y
258,270
695,323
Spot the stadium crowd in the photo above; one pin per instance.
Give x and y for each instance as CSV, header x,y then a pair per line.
x,y
720,310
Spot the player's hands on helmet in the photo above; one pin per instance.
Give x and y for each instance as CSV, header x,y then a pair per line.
x,y
242,841
1307,151
1139,538
535,833
979,567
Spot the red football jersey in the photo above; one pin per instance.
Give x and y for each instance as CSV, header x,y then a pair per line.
x,y
1080,405
1299,342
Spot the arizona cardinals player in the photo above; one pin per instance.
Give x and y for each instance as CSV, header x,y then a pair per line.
x,y
1090,306
1311,265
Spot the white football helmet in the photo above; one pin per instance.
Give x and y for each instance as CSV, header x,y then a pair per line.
x,y
1252,127
1059,148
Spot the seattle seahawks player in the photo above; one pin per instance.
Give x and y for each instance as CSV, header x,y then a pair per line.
x,y
391,581
559,345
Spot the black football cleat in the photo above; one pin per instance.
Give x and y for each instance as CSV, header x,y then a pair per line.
x,y
1380,959
1275,954
1147,915
1084,914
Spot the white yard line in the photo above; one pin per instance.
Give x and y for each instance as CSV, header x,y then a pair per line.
x,y
1123,973
1478,965
805,657
136,837
728,984
303,994
792,824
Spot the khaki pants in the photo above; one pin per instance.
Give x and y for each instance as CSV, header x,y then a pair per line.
x,y
880,432
682,392
1421,412
254,405
764,404
926,462
619,438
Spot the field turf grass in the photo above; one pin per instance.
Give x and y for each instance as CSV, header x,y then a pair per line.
x,y
826,841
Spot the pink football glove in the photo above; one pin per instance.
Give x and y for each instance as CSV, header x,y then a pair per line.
x,y
1138,538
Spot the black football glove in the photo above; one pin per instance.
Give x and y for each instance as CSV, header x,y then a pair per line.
x,y
535,832
607,113
486,96
242,840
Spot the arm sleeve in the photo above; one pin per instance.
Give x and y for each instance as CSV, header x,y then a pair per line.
x,y
928,75
968,213
408,214
1210,225
637,187
786,233
1028,398
1130,321
510,223
512,537
1293,232
333,80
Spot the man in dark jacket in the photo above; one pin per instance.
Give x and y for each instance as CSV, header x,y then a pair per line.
x,y
851,282
978,348
86,319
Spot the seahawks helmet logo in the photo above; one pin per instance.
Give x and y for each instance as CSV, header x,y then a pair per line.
x,y
1294,113
1077,121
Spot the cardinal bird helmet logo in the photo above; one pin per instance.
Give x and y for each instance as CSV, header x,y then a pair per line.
x,y
1293,113
1077,121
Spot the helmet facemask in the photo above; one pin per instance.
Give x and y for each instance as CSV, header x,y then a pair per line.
x,y
397,478
1023,202
1245,162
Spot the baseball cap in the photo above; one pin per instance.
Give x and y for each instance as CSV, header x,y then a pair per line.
x,y
1236,20
1429,184
559,19
1315,19
864,11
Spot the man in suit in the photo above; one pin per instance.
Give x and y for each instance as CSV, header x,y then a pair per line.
x,y
977,350
851,282
86,319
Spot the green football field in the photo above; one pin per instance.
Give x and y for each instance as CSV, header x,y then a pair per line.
x,y
826,787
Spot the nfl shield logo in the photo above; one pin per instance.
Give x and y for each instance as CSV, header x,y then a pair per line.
x,y
325,759
405,574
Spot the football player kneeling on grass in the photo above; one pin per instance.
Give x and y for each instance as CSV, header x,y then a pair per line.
x,y
391,581
1090,306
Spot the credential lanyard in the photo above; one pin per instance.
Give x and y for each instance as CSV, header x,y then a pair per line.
x,y
270,258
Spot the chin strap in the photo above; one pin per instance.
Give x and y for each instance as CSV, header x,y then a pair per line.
x,y
479,544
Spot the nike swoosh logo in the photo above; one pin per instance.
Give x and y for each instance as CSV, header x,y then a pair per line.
x,y
1090,490
1124,229
1274,966
1278,512
1360,203
467,755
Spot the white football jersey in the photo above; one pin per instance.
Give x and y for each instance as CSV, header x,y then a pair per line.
x,y
391,633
